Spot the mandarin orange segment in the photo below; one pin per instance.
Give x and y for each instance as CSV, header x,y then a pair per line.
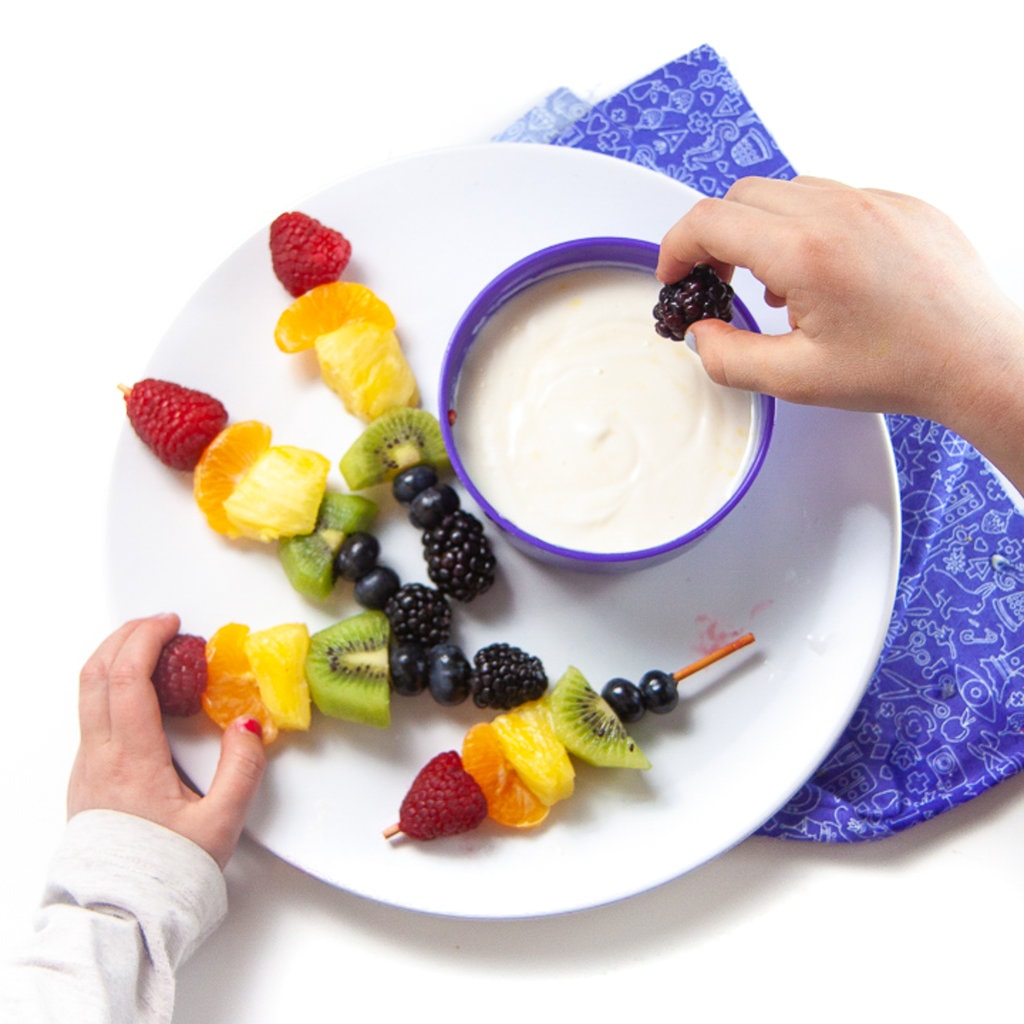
x,y
228,457
231,688
509,800
325,308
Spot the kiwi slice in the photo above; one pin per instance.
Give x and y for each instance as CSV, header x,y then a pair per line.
x,y
308,559
395,440
588,727
347,669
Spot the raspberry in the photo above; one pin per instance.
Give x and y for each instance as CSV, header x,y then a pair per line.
x,y
180,675
460,562
505,677
701,295
176,423
419,614
306,253
443,800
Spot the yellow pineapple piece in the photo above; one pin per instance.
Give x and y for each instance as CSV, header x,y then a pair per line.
x,y
280,494
364,364
277,658
527,738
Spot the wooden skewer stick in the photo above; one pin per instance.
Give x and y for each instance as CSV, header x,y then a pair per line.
x,y
710,659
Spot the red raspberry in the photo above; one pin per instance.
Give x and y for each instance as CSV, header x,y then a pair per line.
x,y
306,253
180,675
443,800
175,422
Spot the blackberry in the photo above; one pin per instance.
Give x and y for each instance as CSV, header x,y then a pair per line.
x,y
460,562
505,677
419,614
701,295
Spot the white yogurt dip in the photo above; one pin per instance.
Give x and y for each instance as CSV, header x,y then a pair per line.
x,y
583,427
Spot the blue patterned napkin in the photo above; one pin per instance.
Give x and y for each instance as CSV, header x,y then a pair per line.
x,y
943,717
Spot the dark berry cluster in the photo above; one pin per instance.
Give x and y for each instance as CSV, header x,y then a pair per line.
x,y
499,676
461,565
656,692
459,557
701,295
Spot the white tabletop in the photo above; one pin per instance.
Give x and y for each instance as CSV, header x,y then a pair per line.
x,y
141,148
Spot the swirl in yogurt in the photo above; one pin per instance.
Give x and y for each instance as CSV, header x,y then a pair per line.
x,y
582,426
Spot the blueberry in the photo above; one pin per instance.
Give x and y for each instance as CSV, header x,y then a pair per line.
x,y
412,481
660,692
357,556
429,507
450,679
374,589
625,700
409,667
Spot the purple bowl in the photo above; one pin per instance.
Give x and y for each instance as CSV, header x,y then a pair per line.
x,y
567,256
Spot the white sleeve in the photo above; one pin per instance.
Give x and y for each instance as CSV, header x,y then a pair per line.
x,y
126,903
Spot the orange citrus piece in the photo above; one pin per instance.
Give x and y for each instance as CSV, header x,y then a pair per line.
x,y
227,458
325,308
509,800
231,689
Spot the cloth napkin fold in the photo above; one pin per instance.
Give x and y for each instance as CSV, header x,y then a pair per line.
x,y
942,719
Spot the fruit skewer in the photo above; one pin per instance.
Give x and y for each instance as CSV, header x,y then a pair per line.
x,y
446,798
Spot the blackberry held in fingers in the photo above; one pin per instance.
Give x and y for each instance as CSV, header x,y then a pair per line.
x,y
701,295
460,561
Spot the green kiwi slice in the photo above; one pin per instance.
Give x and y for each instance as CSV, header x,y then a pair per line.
x,y
395,440
347,669
588,727
308,560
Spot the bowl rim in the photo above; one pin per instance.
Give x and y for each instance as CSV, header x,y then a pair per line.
x,y
559,258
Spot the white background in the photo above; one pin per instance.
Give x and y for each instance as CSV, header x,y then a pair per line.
x,y
142,144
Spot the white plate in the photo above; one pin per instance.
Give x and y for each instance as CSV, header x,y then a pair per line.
x,y
808,562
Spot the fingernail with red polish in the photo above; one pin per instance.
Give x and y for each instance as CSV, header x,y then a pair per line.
x,y
253,725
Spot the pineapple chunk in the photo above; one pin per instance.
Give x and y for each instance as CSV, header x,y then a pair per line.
x,y
527,738
277,658
363,363
280,494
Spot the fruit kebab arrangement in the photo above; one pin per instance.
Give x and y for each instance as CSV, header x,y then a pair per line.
x,y
511,769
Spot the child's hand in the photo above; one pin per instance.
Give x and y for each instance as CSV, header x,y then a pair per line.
x,y
124,762
891,308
